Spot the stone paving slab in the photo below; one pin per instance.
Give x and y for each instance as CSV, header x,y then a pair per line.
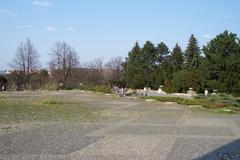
x,y
195,148
207,122
153,119
32,157
110,119
163,117
109,157
172,130
167,114
159,108
128,147
162,149
238,122
58,139
207,115
121,145
55,146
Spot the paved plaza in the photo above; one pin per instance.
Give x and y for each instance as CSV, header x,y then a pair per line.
x,y
129,129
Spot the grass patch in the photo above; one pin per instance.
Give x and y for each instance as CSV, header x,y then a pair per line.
x,y
2,97
20,110
221,103
52,102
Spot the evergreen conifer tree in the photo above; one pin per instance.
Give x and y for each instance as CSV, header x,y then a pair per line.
x,y
177,58
222,63
192,53
133,69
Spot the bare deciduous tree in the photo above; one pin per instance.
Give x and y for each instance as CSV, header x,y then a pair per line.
x,y
92,72
115,66
97,67
98,63
64,60
26,60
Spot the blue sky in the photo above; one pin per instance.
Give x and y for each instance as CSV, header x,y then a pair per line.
x,y
108,28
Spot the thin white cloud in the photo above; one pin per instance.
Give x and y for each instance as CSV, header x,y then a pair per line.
x,y
207,36
25,27
41,3
7,12
70,29
50,29
228,17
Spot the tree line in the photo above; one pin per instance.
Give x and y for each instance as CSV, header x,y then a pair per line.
x,y
65,71
216,65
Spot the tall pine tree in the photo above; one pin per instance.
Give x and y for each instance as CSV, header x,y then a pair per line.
x,y
192,53
162,52
133,68
149,61
177,58
164,69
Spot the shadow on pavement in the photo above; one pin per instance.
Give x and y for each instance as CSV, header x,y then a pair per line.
x,y
230,151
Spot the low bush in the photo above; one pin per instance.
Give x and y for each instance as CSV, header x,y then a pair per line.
x,y
51,87
103,88
96,88
88,87
182,101
222,98
216,105
217,101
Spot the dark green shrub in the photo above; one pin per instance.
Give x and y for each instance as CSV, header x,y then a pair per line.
x,y
96,88
103,88
88,87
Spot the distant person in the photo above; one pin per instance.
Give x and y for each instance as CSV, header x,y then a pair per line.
x,y
122,91
145,91
206,92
